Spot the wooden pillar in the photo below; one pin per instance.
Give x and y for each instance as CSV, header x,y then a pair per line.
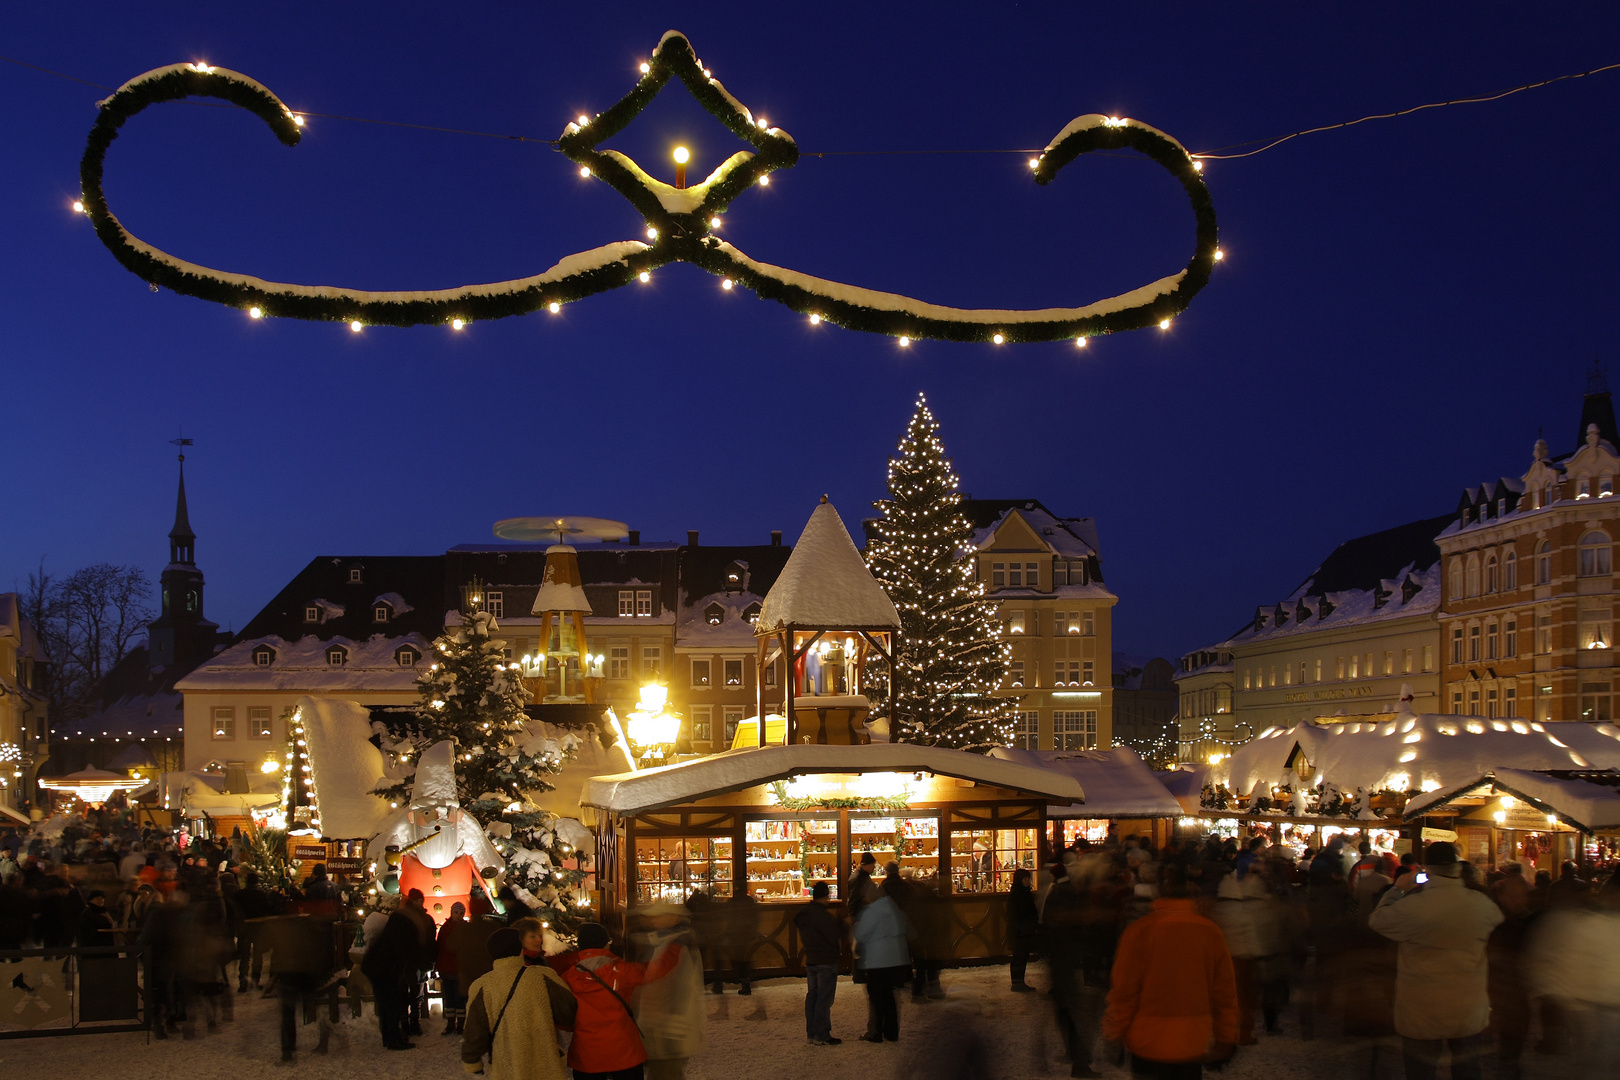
x,y
762,650
790,660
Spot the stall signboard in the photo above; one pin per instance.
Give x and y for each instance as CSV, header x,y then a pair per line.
x,y
1432,835
344,865
309,851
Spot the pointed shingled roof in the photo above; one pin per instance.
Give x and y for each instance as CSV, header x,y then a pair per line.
x,y
182,521
826,585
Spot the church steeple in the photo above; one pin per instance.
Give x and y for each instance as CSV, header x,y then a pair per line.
x,y
1597,408
182,541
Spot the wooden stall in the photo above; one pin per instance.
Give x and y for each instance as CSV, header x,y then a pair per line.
x,y
1539,818
1123,796
769,822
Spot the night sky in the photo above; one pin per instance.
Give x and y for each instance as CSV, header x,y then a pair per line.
x,y
1403,304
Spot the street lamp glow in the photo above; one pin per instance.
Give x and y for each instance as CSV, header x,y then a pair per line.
x,y
682,155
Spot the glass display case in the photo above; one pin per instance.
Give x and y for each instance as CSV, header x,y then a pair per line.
x,y
983,860
786,855
671,868
910,841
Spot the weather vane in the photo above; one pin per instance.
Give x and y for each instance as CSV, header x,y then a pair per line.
x,y
681,224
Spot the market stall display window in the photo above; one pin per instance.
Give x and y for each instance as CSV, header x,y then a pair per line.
x,y
984,860
1092,830
910,841
785,855
673,867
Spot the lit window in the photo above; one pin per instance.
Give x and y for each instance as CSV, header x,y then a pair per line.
x,y
733,719
1074,729
224,722
1015,673
1015,622
702,724
732,672
627,602
259,722
495,604
644,602
652,661
619,663
1596,555
700,673
1583,489
751,614
714,614
1027,731
1088,673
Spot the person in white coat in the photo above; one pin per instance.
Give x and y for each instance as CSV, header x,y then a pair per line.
x,y
669,1011
880,931
1441,996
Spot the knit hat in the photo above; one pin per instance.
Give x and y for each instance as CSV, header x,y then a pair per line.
x,y
593,935
505,942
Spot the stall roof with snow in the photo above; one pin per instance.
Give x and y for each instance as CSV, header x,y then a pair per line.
x,y
1117,782
826,585
346,766
737,770
1587,799
1408,752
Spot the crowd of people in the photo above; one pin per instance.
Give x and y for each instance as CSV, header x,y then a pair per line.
x,y
1178,956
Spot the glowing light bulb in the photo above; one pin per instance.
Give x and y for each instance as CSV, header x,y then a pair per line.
x,y
1081,343
763,124
644,277
299,120
1034,163
1219,254
583,120
552,307
646,68
456,324
998,339
726,284
355,326
1164,324
714,223
905,342
765,181
255,312
1198,166
652,234
815,320
682,155
78,206
584,170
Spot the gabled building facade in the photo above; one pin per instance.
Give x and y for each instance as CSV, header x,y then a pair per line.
x,y
1046,573
1528,618
24,728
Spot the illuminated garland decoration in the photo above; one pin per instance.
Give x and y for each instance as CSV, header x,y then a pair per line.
x,y
779,792
680,225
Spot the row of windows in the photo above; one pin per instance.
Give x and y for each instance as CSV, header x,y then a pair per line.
x,y
1370,666
338,655
1083,623
1469,576
1065,673
1072,729
1027,575
258,721
703,723
383,611
1503,702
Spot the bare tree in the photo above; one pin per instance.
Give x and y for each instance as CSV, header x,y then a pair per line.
x,y
86,622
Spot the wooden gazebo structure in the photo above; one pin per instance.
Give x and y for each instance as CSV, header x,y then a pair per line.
x,y
824,615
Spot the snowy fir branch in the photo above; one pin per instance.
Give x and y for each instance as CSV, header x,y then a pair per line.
x,y
680,223
951,658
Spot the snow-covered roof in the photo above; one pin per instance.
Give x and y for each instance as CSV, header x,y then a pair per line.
x,y
1069,538
1589,800
345,765
1117,782
1403,751
826,585
693,629
590,758
301,664
1185,783
734,770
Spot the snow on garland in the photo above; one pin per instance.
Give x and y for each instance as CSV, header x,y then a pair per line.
x,y
680,223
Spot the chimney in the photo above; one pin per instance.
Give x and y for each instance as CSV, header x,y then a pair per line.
x,y
691,538
635,537
776,538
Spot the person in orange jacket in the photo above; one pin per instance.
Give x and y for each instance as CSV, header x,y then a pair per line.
x,y
1173,1000
607,1043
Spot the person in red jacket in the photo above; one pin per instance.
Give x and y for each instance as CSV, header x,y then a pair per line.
x,y
1173,999
607,1043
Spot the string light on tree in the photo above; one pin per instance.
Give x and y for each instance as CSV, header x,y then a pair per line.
x,y
951,654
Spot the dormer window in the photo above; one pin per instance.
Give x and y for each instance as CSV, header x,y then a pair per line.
x,y
1583,489
312,614
382,613
356,575
751,614
1605,487
263,656
714,614
736,576
337,656
405,656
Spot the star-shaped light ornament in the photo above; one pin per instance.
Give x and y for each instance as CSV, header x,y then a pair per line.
x,y
680,224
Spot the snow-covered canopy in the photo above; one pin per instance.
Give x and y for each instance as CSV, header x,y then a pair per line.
x,y
1118,783
345,765
826,585
1186,783
1418,752
590,759
734,770
1588,800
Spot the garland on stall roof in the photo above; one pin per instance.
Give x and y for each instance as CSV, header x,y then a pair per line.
x,y
866,802
680,224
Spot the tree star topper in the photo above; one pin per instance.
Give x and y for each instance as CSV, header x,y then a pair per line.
x,y
680,223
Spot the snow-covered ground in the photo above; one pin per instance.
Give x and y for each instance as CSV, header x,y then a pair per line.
x,y
759,1036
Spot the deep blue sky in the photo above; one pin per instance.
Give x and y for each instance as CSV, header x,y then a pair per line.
x,y
1403,303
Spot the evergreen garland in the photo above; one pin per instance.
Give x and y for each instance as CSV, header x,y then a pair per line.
x,y
680,224
852,802
951,656
474,697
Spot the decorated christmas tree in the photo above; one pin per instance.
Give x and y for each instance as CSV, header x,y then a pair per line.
x,y
951,655
474,697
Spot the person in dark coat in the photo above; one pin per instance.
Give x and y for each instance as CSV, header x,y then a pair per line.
x,y
301,957
94,922
16,913
390,964
254,904
1023,924
415,909
819,935
163,938
454,992
1062,940
742,934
